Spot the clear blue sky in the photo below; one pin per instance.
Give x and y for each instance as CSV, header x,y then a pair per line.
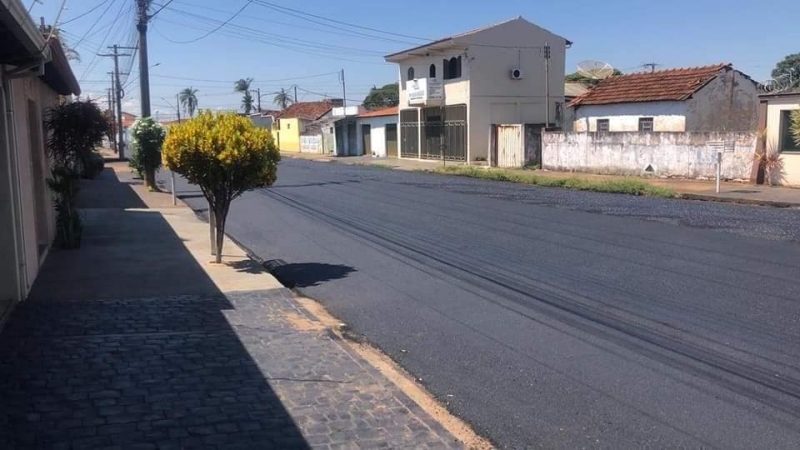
x,y
270,45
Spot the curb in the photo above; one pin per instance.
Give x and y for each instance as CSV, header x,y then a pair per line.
x,y
741,201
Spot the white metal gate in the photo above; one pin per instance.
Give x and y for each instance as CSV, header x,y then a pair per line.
x,y
509,146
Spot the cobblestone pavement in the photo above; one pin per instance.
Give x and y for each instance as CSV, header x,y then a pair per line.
x,y
241,370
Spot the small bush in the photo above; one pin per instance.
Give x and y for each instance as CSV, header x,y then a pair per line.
x,y
64,183
93,165
629,186
135,162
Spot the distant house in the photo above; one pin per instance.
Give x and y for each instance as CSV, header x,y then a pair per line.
x,y
710,98
454,89
776,109
297,118
265,118
35,77
128,119
565,116
378,131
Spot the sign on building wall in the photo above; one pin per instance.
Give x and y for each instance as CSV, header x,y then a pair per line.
x,y
424,91
311,144
341,111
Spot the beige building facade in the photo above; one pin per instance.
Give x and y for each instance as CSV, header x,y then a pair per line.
x,y
453,90
35,75
778,137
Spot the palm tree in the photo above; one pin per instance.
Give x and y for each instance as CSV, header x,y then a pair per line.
x,y
243,86
283,99
188,99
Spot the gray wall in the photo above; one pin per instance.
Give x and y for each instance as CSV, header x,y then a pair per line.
x,y
669,154
728,103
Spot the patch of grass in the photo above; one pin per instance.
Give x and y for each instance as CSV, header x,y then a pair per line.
x,y
629,186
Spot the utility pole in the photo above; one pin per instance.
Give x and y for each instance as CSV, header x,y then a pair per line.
x,y
118,94
258,92
295,93
344,91
547,84
144,69
110,109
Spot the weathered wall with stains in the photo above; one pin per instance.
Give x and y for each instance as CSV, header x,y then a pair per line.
x,y
667,154
622,117
728,103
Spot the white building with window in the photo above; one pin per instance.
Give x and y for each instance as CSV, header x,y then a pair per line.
x,y
710,98
454,89
776,119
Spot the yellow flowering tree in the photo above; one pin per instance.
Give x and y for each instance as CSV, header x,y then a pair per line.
x,y
225,155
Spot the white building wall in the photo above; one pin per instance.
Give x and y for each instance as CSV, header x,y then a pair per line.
x,y
667,154
377,133
791,161
667,116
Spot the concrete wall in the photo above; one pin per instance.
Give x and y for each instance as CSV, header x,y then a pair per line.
x,y
624,117
668,154
727,103
377,133
496,98
791,160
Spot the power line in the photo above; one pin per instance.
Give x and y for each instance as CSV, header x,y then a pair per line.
x,y
160,9
273,37
95,23
217,28
86,13
281,8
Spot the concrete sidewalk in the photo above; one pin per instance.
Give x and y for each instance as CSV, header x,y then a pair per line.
x,y
688,189
136,341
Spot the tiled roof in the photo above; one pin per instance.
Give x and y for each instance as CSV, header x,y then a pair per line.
x,y
390,111
663,85
306,110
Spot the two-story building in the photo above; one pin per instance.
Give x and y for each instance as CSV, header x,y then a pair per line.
x,y
454,89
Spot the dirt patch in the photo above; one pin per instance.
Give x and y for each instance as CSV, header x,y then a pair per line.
x,y
403,380
301,323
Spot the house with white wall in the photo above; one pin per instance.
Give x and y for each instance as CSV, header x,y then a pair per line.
x,y
710,98
454,89
777,108
34,74
378,131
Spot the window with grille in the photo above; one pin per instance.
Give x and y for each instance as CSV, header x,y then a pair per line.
x,y
646,125
603,126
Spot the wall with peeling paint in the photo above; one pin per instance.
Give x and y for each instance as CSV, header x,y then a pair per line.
x,y
666,154
727,103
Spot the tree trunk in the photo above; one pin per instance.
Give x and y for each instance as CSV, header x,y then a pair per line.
x,y
219,215
150,180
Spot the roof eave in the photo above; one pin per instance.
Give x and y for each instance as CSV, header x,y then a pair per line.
x,y
441,44
15,18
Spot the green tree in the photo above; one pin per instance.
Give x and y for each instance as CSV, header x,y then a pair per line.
x,y
148,137
225,155
385,96
789,70
75,129
795,126
243,86
188,99
283,99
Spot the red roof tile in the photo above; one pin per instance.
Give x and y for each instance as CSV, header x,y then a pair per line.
x,y
390,111
663,85
306,110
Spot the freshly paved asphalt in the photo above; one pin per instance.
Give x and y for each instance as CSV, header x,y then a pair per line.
x,y
551,318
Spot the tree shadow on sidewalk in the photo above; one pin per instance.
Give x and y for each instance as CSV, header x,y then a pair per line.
x,y
301,275
103,365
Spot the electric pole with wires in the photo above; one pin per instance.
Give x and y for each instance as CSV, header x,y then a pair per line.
x,y
118,94
142,7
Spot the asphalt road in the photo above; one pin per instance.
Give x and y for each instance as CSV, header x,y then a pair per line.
x,y
550,318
